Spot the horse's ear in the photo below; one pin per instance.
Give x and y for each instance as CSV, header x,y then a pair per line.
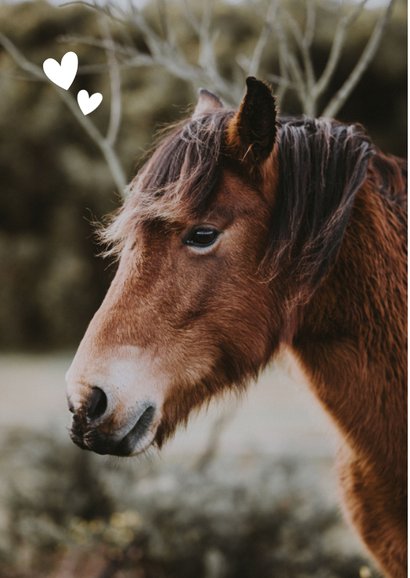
x,y
207,102
251,133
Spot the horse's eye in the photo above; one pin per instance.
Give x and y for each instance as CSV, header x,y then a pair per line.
x,y
201,237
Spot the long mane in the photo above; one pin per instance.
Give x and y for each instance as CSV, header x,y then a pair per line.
x,y
322,163
177,182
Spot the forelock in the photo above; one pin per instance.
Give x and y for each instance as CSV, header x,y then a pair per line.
x,y
178,180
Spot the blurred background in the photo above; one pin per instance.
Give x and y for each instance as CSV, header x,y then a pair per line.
x,y
250,488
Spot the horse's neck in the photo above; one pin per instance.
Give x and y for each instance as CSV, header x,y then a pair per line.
x,y
351,340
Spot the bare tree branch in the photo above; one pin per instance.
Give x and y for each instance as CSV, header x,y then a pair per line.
x,y
287,83
310,8
115,84
293,40
105,147
280,81
103,43
165,53
307,74
263,38
289,66
368,53
343,26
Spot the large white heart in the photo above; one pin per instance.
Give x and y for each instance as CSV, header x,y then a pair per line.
x,y
88,103
62,74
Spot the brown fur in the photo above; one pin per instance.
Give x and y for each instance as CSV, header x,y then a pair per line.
x,y
352,342
312,256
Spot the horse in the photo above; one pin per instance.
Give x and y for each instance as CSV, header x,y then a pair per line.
x,y
245,234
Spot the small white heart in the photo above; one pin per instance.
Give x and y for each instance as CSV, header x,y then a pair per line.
x,y
62,74
88,103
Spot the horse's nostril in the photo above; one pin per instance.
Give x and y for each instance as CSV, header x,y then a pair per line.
x,y
97,404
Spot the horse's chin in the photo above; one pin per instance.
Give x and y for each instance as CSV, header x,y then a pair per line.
x,y
142,445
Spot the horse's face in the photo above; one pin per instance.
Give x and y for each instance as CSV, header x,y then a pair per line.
x,y
187,313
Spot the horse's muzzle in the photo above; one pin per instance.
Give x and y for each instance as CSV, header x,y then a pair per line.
x,y
93,430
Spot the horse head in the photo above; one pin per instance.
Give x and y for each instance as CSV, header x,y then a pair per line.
x,y
188,313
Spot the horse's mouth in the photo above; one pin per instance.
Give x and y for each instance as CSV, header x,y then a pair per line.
x,y
140,437
134,442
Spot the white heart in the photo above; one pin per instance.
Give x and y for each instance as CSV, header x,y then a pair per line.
x,y
62,74
88,103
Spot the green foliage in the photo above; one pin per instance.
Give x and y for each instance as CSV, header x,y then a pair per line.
x,y
54,182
